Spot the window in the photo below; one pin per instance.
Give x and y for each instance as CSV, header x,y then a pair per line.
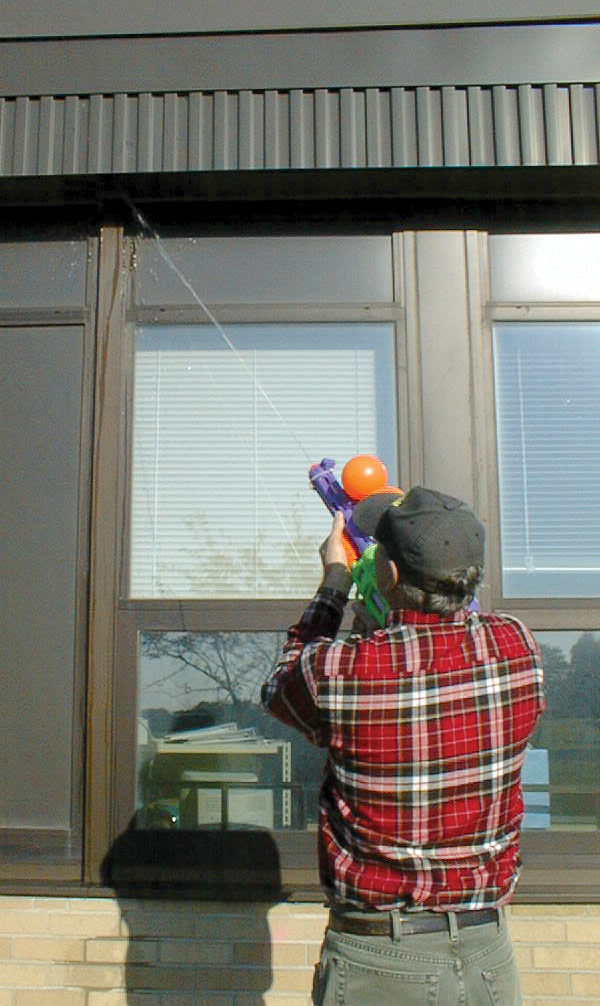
x,y
202,631
190,783
225,428
545,353
548,419
45,406
567,740
209,755
230,406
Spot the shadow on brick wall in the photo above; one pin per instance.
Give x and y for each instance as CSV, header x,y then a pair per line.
x,y
194,907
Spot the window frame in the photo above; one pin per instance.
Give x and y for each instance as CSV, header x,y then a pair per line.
x,y
53,854
129,860
542,614
276,314
559,867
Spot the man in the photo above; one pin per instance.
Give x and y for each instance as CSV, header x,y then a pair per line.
x,y
426,724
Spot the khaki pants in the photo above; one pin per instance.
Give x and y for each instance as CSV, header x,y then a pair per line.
x,y
461,967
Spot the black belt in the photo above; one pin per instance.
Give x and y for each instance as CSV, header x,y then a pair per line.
x,y
432,922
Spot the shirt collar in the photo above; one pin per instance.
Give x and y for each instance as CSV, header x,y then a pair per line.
x,y
408,616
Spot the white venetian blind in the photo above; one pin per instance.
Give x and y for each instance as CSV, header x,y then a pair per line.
x,y
223,438
548,417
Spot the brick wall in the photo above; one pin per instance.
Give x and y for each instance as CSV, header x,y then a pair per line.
x,y
101,952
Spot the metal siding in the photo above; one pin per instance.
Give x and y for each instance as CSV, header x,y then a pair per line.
x,y
195,119
480,127
73,121
300,149
554,152
537,125
531,152
429,127
403,127
170,134
597,123
584,133
145,136
275,155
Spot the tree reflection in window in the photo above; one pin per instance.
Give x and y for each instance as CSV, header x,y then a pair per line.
x,y
570,728
208,754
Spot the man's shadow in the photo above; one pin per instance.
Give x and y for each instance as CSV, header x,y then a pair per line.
x,y
194,905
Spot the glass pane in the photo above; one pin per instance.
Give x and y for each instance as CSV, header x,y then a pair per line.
x,y
208,754
562,769
548,420
59,268
544,267
40,420
226,426
283,269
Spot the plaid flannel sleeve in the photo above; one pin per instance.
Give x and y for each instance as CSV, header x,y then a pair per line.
x,y
290,693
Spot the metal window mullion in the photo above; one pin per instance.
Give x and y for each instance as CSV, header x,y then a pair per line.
x,y
102,823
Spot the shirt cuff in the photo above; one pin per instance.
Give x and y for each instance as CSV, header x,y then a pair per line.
x,y
337,578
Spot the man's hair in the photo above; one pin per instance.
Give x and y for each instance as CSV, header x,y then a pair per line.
x,y
453,593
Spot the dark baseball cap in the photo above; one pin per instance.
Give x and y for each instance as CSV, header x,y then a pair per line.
x,y
430,536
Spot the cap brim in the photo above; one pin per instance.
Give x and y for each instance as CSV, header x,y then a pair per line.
x,y
367,514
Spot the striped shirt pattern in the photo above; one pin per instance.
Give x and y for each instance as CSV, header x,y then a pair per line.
x,y
426,724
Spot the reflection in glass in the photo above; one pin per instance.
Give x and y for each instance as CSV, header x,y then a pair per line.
x,y
570,729
208,754
210,757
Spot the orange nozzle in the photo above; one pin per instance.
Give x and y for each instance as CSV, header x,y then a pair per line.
x,y
362,475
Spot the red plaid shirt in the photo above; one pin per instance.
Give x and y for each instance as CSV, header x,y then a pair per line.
x,y
426,722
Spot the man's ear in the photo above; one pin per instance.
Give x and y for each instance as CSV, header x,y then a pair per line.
x,y
392,571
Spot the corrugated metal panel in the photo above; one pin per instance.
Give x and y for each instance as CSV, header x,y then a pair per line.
x,y
549,124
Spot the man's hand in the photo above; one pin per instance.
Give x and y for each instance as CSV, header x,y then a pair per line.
x,y
332,550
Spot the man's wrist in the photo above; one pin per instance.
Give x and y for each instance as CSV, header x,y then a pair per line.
x,y
336,577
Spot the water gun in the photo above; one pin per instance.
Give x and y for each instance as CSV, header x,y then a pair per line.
x,y
363,475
